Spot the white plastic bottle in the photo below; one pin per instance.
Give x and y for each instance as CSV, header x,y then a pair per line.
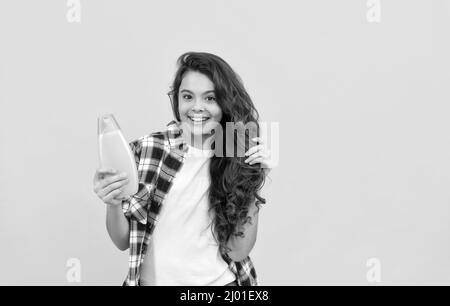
x,y
115,153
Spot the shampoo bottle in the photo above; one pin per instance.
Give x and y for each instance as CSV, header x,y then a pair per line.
x,y
115,153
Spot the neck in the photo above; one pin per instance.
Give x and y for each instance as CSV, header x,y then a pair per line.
x,y
202,142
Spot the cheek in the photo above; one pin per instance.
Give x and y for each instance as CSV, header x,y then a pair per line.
x,y
218,113
182,109
219,116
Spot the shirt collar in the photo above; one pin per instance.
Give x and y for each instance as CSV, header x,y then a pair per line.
x,y
175,138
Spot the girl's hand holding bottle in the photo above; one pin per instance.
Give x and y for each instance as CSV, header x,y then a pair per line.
x,y
108,185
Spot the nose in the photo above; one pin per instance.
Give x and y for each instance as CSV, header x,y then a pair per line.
x,y
198,105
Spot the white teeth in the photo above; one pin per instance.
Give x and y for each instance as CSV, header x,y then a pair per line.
x,y
199,119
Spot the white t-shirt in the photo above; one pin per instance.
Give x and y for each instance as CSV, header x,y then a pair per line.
x,y
182,250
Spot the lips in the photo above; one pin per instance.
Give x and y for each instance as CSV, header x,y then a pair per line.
x,y
198,119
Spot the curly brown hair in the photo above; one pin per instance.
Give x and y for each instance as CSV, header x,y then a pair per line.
x,y
234,183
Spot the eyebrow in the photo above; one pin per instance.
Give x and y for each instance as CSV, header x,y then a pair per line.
x,y
208,91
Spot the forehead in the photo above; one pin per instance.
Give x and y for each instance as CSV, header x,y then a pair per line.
x,y
196,82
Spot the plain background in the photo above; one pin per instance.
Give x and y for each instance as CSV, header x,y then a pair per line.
x,y
363,108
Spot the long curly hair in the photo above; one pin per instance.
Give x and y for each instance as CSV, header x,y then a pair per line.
x,y
234,183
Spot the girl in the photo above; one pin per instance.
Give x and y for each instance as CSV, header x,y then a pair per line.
x,y
186,187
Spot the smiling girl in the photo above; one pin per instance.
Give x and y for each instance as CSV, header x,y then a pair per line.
x,y
194,218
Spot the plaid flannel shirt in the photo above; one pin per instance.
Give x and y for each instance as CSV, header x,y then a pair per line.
x,y
159,156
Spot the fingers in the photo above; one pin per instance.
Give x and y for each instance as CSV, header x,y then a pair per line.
x,y
110,198
256,160
101,184
111,183
258,155
109,178
113,178
106,170
263,161
254,149
102,172
258,140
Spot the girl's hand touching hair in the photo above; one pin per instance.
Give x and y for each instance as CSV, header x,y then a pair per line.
x,y
259,154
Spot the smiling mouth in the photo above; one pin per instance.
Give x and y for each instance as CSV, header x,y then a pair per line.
x,y
198,119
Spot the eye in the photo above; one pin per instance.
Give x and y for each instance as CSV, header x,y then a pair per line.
x,y
212,98
184,97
